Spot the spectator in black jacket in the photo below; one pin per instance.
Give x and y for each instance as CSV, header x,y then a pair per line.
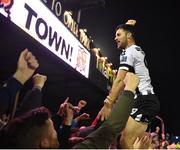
x,y
33,98
27,64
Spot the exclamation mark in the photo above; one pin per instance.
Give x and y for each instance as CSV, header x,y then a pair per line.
x,y
70,56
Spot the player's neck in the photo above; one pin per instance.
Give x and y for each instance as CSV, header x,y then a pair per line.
x,y
130,44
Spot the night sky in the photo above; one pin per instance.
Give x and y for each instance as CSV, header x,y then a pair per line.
x,y
157,28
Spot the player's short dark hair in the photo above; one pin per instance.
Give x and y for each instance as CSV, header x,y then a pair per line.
x,y
25,130
128,28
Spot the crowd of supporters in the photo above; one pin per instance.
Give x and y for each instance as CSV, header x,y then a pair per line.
x,y
31,125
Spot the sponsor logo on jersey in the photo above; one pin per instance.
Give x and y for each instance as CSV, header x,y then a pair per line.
x,y
123,58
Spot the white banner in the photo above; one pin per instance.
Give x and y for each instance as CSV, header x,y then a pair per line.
x,y
39,22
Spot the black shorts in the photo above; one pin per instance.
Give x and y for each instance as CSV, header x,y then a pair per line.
x,y
145,108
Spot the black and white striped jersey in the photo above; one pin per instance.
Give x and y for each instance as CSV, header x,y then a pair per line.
x,y
132,59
